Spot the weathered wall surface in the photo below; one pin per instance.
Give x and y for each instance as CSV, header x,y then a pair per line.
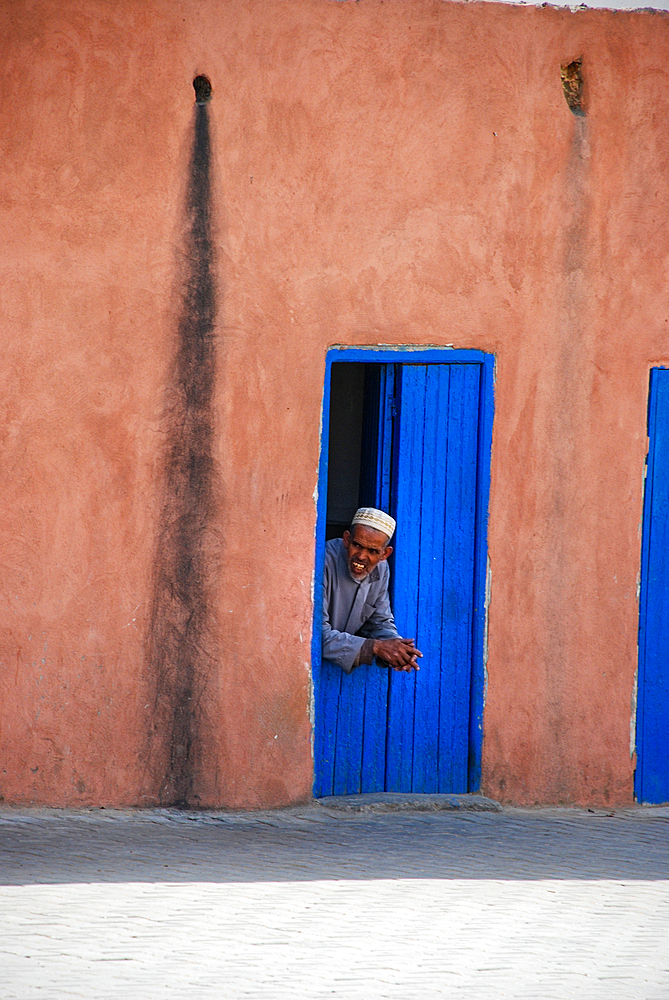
x,y
404,173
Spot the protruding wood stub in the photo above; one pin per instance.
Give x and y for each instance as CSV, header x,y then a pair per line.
x,y
202,87
571,74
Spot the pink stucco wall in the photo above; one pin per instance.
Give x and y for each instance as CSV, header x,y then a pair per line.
x,y
395,172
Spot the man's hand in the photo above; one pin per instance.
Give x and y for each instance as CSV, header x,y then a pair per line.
x,y
400,654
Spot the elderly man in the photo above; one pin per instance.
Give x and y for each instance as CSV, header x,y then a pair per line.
x,y
358,624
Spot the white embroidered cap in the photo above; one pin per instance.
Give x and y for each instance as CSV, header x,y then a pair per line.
x,y
373,518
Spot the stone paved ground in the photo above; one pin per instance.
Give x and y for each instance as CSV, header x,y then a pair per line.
x,y
314,904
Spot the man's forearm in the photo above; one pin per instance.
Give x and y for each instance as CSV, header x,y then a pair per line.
x,y
341,648
366,654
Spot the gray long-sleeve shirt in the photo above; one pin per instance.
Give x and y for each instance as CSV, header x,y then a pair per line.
x,y
353,611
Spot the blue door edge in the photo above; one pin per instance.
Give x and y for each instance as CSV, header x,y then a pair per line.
x,y
390,354
643,581
481,588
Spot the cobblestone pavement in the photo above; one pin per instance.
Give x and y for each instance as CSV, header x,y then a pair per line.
x,y
308,903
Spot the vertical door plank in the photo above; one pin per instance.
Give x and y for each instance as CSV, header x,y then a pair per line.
x,y
408,488
348,754
374,730
384,455
376,685
459,571
430,569
652,777
376,690
326,697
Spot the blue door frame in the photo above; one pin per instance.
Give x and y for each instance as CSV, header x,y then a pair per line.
x,y
652,723
403,356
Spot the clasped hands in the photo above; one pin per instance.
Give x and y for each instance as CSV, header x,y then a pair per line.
x,y
400,654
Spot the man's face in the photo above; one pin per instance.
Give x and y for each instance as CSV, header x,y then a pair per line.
x,y
365,548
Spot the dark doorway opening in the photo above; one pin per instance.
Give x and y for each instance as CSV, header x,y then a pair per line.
x,y
358,476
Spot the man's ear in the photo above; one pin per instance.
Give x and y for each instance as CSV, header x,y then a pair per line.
x,y
388,551
347,537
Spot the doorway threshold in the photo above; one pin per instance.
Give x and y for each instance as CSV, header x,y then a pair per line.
x,y
387,802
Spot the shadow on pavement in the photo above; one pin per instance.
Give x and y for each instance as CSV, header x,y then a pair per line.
x,y
57,846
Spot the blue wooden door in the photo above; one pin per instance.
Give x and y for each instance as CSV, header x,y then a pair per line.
x,y
379,729
652,774
434,576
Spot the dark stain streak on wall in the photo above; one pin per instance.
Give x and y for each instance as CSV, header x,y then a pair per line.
x,y
180,641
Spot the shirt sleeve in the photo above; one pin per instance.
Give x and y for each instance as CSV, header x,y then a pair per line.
x,y
341,648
